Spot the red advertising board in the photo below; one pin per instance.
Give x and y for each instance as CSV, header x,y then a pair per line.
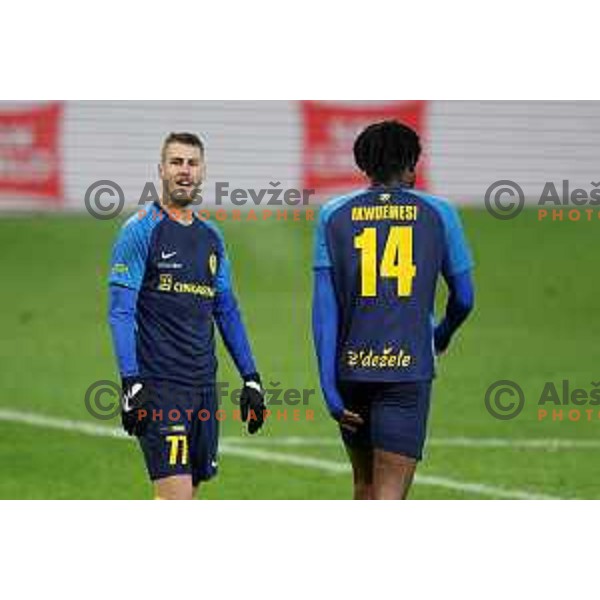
x,y
30,163
329,131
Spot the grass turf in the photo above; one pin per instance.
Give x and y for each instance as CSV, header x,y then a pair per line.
x,y
535,321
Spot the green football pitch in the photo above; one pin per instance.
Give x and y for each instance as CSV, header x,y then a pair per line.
x,y
536,321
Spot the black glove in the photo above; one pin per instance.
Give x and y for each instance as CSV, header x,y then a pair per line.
x,y
253,399
132,400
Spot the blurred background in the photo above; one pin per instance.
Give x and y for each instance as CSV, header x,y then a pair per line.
x,y
536,310
52,152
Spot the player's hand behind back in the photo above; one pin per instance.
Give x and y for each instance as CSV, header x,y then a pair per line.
x,y
350,420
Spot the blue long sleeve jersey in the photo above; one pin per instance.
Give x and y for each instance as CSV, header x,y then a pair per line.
x,y
169,283
378,255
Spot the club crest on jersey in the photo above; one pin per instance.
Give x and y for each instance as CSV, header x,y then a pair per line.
x,y
212,263
389,358
165,283
384,198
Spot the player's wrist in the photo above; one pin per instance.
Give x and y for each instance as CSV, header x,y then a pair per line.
x,y
129,380
441,338
336,413
253,380
335,407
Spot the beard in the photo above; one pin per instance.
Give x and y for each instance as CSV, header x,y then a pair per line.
x,y
182,196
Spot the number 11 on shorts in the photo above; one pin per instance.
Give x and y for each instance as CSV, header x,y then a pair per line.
x,y
178,449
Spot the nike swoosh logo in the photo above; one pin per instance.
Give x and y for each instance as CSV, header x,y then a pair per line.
x,y
254,385
167,255
130,396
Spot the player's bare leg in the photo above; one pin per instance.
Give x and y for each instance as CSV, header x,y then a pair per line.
x,y
176,487
362,471
392,475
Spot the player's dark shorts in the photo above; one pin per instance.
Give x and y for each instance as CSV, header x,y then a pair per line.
x,y
182,433
394,414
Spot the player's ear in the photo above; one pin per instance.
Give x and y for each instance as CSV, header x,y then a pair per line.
x,y
409,176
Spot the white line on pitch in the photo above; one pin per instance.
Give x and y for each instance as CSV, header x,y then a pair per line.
x,y
243,451
481,489
16,416
528,443
462,442
459,442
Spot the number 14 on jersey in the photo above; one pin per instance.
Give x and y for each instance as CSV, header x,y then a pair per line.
x,y
396,262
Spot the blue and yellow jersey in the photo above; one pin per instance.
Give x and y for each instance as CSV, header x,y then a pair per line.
x,y
386,248
178,271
